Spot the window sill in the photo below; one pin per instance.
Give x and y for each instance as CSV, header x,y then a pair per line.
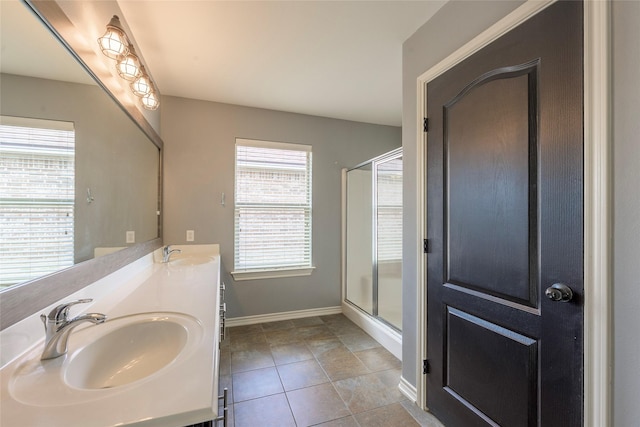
x,y
271,274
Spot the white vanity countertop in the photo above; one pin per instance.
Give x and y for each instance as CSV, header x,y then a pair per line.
x,y
182,393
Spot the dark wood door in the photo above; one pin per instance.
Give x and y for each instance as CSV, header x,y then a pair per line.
x,y
505,222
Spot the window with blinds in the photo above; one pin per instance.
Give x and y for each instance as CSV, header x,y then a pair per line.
x,y
272,206
36,198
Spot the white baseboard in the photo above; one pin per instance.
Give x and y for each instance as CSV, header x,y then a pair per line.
x,y
287,315
408,390
388,337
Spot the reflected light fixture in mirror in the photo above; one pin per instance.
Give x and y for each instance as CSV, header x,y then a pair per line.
x,y
128,64
150,101
114,41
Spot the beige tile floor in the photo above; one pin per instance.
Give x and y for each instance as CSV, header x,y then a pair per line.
x,y
317,371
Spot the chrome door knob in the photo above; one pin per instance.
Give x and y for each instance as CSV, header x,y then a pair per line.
x,y
559,292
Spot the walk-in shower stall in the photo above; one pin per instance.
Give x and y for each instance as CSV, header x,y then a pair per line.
x,y
373,238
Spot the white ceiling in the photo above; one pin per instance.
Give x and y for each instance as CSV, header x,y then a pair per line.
x,y
339,59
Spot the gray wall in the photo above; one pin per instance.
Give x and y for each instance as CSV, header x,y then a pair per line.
x,y
626,147
112,157
454,25
199,155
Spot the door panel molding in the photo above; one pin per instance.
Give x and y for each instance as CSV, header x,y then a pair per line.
x,y
597,197
462,373
493,184
495,299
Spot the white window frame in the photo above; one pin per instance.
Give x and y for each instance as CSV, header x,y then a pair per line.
x,y
244,272
37,213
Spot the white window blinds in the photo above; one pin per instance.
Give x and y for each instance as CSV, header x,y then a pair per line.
x,y
272,206
37,189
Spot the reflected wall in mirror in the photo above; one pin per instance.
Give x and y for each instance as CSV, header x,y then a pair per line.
x,y
116,166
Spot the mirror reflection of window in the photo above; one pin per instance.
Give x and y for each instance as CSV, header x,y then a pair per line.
x,y
37,192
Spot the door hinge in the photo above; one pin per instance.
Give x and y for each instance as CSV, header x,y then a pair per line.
x,y
425,246
425,366
426,125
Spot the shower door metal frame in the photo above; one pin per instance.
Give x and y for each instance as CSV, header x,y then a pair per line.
x,y
391,155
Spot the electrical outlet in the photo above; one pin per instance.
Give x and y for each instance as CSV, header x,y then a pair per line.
x,y
190,236
131,237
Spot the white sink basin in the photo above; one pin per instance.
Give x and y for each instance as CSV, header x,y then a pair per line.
x,y
119,353
127,354
191,260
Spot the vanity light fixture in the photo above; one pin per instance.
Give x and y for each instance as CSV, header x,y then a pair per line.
x,y
142,85
114,41
116,45
128,66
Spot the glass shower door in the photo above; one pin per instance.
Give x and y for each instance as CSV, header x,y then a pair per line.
x,y
388,236
374,238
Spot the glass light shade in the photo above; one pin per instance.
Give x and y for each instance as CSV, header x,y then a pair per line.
x,y
142,85
128,66
150,101
114,42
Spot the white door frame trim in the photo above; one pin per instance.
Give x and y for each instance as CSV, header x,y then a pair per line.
x,y
597,196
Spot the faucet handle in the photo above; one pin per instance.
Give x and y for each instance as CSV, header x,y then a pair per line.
x,y
61,312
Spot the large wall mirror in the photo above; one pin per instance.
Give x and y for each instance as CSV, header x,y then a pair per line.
x,y
80,177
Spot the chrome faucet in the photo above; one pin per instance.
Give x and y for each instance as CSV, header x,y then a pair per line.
x,y
58,326
167,251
